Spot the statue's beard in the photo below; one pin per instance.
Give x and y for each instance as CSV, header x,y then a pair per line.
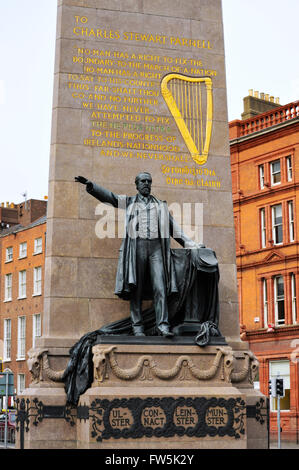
x,y
145,191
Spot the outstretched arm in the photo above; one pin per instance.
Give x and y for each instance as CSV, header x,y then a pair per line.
x,y
100,193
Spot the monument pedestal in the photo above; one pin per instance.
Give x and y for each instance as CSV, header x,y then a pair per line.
x,y
163,394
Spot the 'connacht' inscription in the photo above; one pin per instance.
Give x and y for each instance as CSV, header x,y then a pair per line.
x,y
153,417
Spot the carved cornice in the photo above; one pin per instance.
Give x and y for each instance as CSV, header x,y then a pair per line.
x,y
107,368
184,368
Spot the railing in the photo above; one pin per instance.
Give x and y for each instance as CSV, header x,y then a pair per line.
x,y
269,119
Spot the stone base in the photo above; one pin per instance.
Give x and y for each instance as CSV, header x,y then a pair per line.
x,y
44,432
146,396
163,418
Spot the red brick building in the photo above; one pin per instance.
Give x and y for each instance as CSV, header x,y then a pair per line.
x,y
22,257
265,178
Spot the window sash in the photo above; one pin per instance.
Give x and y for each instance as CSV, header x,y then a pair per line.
x,y
21,337
20,383
22,284
265,302
279,300
9,253
36,330
23,250
289,169
8,287
275,173
277,231
291,221
7,339
37,284
38,245
294,298
262,176
263,227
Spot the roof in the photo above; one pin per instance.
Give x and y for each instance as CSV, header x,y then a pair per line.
x,y
20,227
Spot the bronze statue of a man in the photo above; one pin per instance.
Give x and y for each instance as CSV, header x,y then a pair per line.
x,y
145,268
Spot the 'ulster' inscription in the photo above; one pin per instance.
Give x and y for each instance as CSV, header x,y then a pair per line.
x,y
121,418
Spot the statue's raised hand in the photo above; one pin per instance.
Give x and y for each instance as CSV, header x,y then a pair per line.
x,y
81,179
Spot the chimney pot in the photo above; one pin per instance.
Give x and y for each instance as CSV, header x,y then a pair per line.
x,y
256,94
267,97
250,92
262,96
272,99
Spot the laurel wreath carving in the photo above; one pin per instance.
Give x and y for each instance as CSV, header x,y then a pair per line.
x,y
146,367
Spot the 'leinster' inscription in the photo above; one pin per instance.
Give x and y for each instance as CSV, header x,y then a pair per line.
x,y
185,416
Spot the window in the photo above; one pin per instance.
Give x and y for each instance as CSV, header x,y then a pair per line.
x,y
262,176
277,233
20,383
289,169
275,172
279,300
38,245
281,369
7,340
8,287
37,281
265,302
23,250
291,221
22,284
36,330
9,254
294,302
263,227
21,337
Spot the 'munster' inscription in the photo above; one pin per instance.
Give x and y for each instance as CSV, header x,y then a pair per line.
x,y
216,416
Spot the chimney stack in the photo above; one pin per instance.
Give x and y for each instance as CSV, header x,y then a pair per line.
x,y
257,103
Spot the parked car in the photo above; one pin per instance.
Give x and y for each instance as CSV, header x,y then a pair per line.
x,y
11,427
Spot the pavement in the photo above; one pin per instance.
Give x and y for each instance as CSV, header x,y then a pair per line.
x,y
273,445
284,445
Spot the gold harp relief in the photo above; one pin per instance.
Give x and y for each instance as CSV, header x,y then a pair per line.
x,y
190,101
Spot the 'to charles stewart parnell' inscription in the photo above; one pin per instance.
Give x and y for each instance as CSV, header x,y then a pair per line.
x,y
155,106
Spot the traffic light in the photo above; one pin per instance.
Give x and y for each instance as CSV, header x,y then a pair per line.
x,y
279,388
272,388
1,365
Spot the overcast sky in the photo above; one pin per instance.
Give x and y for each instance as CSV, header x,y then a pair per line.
x,y
261,43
